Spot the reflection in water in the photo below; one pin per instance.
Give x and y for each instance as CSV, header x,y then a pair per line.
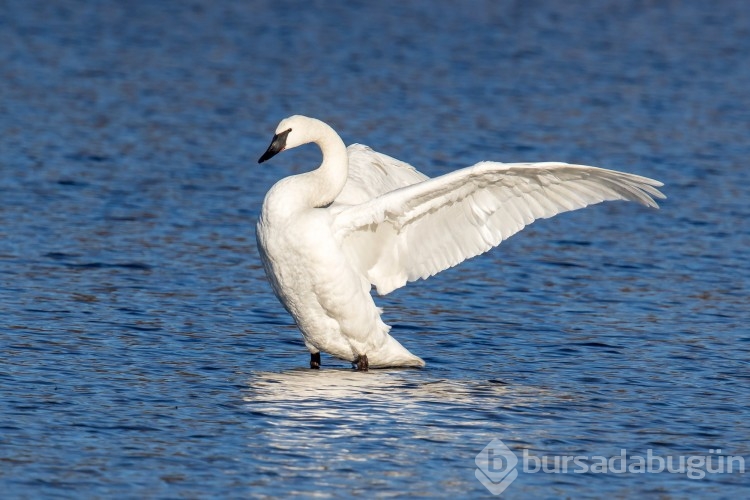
x,y
303,389
382,420
350,403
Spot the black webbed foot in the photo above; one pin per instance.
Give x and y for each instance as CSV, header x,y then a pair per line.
x,y
315,360
361,364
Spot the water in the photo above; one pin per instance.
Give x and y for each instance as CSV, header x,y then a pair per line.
x,y
143,354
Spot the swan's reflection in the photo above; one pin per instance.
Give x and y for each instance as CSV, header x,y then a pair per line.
x,y
346,401
389,388
330,407
329,419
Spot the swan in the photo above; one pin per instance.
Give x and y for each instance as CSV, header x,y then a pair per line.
x,y
364,219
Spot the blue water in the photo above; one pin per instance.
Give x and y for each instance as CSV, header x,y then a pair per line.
x,y
143,355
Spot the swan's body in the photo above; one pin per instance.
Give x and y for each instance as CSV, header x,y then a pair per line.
x,y
363,219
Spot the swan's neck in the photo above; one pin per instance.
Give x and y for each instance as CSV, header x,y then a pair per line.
x,y
324,184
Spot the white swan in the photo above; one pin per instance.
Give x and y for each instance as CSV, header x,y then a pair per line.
x,y
363,218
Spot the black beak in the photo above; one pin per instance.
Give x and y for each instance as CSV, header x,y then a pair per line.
x,y
277,146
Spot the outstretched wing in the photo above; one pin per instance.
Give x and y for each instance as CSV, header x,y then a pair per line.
x,y
419,230
372,174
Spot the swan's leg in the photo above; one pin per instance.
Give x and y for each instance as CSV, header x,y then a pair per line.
x,y
315,360
362,363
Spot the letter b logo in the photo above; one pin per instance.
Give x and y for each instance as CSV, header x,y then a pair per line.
x,y
496,467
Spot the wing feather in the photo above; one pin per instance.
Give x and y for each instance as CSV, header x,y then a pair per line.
x,y
425,226
372,174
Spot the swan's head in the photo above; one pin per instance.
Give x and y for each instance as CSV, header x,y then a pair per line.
x,y
292,132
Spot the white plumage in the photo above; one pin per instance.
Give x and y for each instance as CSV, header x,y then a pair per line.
x,y
363,218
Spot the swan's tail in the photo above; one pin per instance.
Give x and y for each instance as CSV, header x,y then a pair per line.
x,y
393,355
